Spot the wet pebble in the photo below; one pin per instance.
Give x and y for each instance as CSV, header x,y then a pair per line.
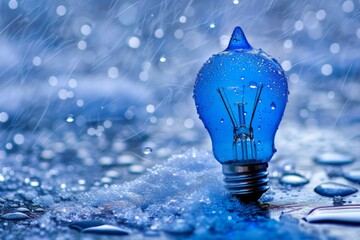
x,y
179,227
106,229
15,216
342,214
334,158
331,189
353,175
294,179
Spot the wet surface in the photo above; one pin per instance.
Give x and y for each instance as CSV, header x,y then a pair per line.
x,y
97,119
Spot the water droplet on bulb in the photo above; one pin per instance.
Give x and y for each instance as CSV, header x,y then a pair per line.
x,y
273,106
331,189
242,78
259,142
222,120
238,40
341,214
147,150
293,179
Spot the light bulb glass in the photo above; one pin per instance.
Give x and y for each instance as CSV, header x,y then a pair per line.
x,y
240,95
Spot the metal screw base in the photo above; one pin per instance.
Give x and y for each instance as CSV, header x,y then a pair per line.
x,y
247,182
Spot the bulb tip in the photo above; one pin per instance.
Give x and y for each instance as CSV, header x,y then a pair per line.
x,y
238,40
246,182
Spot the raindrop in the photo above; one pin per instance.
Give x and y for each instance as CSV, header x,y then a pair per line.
x,y
106,161
326,69
331,189
288,44
136,169
321,14
19,139
82,45
85,30
134,42
4,117
22,209
106,180
15,216
182,19
334,48
286,65
61,10
178,34
334,158
252,84
353,175
259,142
222,120
113,72
242,78
147,150
342,214
13,4
37,61
293,179
273,106
159,33
34,182
348,6
179,227
81,225
72,83
126,160
106,229
70,118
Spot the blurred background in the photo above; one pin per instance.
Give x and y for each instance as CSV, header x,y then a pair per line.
x,y
105,87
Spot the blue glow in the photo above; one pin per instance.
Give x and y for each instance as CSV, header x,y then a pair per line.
x,y
240,96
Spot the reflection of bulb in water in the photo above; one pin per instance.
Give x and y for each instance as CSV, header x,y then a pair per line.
x,y
240,95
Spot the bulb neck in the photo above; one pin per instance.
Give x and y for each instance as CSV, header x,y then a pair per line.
x,y
247,182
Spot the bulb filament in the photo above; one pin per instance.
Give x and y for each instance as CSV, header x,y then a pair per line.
x,y
244,144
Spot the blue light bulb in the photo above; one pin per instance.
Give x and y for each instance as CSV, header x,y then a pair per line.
x,y
240,96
